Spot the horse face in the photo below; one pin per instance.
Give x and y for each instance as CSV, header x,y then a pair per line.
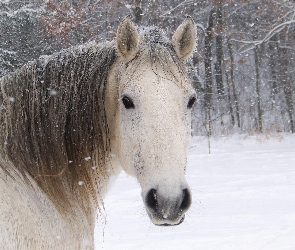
x,y
154,117
154,136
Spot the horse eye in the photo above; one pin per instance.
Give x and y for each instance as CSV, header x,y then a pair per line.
x,y
128,103
191,102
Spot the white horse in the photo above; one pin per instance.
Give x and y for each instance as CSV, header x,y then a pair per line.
x,y
72,120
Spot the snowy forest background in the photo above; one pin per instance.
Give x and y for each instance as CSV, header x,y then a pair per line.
x,y
243,67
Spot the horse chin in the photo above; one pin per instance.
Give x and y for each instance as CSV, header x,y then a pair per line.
x,y
172,224
164,222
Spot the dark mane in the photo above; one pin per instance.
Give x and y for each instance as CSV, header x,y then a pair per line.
x,y
53,125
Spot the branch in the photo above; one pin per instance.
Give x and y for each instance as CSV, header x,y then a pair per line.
x,y
236,10
177,6
268,36
198,25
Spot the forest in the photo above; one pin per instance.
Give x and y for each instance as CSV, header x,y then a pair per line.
x,y
243,67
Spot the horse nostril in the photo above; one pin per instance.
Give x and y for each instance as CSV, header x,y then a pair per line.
x,y
151,199
186,200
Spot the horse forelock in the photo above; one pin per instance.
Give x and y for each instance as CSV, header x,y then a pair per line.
x,y
154,35
156,49
53,122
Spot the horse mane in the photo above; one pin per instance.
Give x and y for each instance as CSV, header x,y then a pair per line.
x,y
53,122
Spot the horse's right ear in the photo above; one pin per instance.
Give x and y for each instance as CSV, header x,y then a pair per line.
x,y
127,39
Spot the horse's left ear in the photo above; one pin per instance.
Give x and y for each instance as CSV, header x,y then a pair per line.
x,y
127,39
184,39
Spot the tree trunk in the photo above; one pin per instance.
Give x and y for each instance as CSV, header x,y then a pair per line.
x,y
233,84
231,111
137,11
219,51
208,61
257,81
273,58
285,80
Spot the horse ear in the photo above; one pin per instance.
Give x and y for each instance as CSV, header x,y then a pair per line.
x,y
184,39
127,39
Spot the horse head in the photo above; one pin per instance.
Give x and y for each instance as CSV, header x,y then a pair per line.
x,y
151,118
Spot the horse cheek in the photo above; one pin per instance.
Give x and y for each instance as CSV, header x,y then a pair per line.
x,y
129,145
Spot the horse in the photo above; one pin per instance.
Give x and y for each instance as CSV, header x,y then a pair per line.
x,y
72,120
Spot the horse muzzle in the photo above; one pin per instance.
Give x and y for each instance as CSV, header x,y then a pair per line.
x,y
167,211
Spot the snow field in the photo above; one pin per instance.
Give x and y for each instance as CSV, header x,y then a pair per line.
x,y
243,198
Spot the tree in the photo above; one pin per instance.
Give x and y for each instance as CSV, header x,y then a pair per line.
x,y
18,28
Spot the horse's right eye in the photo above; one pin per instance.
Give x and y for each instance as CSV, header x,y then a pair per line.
x,y
128,103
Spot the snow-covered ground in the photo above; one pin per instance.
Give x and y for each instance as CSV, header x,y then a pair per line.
x,y
243,198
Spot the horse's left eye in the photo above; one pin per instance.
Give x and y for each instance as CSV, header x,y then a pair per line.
x,y
128,103
191,102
